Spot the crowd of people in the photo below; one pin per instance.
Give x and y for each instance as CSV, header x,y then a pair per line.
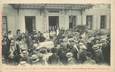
x,y
67,48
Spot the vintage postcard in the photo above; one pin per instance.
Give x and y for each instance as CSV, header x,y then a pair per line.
x,y
48,36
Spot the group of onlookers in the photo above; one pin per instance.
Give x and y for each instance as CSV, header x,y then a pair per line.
x,y
69,47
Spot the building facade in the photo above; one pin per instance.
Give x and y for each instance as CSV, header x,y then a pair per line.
x,y
48,17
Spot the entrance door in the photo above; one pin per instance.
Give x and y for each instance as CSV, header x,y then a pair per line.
x,y
53,23
30,23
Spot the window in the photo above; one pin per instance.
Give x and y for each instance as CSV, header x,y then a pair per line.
x,y
4,24
103,22
89,21
30,23
72,21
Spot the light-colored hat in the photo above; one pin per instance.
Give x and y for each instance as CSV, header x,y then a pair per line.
x,y
81,43
22,47
24,52
69,54
71,39
35,45
23,62
83,47
95,47
34,56
103,39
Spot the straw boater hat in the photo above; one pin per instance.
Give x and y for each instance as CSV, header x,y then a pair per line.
x,y
22,62
103,40
69,54
71,40
95,47
34,58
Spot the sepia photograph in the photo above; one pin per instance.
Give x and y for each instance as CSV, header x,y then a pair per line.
x,y
56,34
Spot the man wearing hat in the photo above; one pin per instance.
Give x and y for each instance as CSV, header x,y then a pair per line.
x,y
98,54
54,58
70,58
81,52
34,59
23,63
82,47
24,56
72,47
89,59
5,48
